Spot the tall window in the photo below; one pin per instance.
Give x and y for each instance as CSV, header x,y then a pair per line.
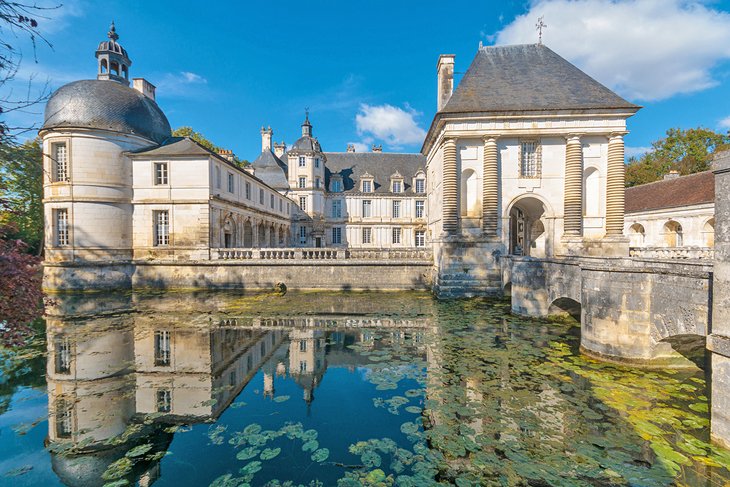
x,y
218,177
366,208
61,227
302,162
420,238
336,185
302,345
261,196
367,235
59,153
302,235
164,400
367,186
420,185
302,182
160,173
302,366
62,346
336,235
316,162
162,227
271,200
288,210
162,348
64,418
420,205
397,186
317,183
248,190
396,235
529,159
336,208
303,203
396,208
281,206
231,183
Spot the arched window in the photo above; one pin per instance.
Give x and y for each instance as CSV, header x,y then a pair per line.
x,y
591,192
708,232
104,66
125,72
469,194
673,234
114,68
637,234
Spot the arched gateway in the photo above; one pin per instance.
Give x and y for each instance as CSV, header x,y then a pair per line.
x,y
528,228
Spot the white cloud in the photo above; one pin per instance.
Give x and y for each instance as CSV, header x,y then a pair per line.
x,y
192,77
361,146
635,151
395,126
644,49
184,83
724,123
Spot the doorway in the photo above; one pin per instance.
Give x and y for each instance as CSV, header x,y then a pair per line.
x,y
527,232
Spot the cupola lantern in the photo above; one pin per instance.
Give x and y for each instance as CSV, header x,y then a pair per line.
x,y
113,61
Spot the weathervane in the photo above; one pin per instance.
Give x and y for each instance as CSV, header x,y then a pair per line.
x,y
540,26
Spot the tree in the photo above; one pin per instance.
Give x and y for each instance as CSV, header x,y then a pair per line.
x,y
685,151
21,191
21,296
204,141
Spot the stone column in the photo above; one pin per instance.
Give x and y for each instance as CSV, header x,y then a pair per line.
x,y
254,234
615,183
450,188
719,340
490,187
573,194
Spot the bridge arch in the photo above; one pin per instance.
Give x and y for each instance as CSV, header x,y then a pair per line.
x,y
565,306
528,232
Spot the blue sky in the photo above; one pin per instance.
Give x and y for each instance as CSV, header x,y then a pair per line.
x,y
367,70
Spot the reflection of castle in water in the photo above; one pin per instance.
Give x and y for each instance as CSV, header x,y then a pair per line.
x,y
121,371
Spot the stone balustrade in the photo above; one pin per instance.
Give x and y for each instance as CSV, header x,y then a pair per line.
x,y
322,254
672,252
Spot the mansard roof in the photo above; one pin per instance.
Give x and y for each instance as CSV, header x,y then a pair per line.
x,y
528,77
694,189
271,170
352,166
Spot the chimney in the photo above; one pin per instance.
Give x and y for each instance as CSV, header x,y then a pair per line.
x,y
144,87
350,147
672,175
279,149
445,70
266,134
376,148
227,154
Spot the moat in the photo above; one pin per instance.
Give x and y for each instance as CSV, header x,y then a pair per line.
x,y
337,389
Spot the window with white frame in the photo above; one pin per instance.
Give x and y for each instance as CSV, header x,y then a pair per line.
x,y
302,182
302,235
396,235
336,235
59,153
62,346
161,227
420,238
62,237
302,162
316,162
397,186
64,418
218,177
367,208
163,350
303,203
231,183
420,205
336,208
261,196
336,185
367,235
420,185
367,186
164,400
160,173
248,190
530,159
396,208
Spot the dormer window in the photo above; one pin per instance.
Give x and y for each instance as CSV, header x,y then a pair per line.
x,y
397,186
316,162
336,186
367,185
420,185
302,162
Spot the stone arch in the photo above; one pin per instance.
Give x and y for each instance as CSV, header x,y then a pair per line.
x,y
262,234
591,192
673,234
528,234
125,71
114,68
565,307
247,233
469,194
690,346
228,232
708,233
637,235
104,66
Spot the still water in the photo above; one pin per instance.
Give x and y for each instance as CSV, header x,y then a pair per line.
x,y
181,389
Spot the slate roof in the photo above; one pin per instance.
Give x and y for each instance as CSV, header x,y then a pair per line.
x,y
528,77
106,105
381,165
271,170
694,189
177,146
306,143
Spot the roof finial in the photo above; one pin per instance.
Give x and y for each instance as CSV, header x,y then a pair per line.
x,y
306,114
540,26
113,33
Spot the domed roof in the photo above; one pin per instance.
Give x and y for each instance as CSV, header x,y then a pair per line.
x,y
306,144
112,46
106,105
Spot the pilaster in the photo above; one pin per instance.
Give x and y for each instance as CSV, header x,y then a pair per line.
x,y
615,183
450,188
490,187
573,194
